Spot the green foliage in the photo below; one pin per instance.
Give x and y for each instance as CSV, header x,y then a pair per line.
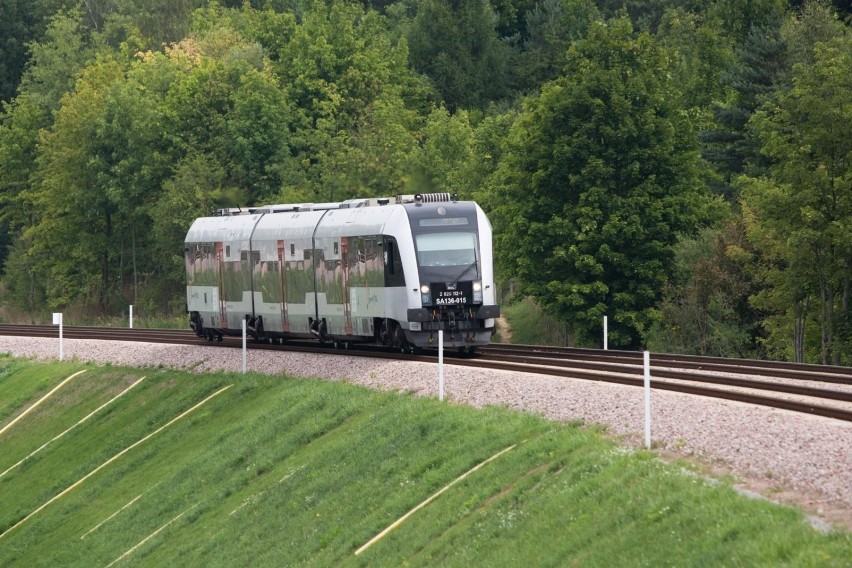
x,y
341,72
800,218
455,44
23,23
599,179
55,62
551,27
761,65
380,152
124,120
705,308
699,53
278,471
531,326
740,18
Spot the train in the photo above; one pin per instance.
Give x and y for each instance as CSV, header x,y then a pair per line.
x,y
386,271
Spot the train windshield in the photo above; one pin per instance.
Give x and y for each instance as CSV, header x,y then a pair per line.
x,y
446,249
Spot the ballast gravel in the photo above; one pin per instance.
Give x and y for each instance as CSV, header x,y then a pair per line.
x,y
784,456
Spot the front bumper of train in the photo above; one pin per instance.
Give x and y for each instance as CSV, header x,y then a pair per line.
x,y
462,327
436,317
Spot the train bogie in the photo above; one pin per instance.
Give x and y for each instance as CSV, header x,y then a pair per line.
x,y
366,270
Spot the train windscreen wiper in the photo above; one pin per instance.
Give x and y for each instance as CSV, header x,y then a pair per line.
x,y
465,271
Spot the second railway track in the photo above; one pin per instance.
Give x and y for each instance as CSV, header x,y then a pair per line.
x,y
730,379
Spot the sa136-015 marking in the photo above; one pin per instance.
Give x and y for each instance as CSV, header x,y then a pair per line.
x,y
450,297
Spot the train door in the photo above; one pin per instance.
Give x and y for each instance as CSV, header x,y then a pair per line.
x,y
347,292
282,261
220,260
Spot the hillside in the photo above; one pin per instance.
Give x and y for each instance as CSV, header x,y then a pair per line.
x,y
226,470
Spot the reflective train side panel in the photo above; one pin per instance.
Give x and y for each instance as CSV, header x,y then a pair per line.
x,y
364,270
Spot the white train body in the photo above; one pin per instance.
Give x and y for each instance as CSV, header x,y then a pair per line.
x,y
364,270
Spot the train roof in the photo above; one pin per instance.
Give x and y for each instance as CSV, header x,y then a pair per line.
x,y
308,220
348,204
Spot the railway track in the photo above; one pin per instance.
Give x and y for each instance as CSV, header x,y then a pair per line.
x,y
813,389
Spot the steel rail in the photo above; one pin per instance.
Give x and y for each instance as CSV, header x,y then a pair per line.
x,y
538,362
754,366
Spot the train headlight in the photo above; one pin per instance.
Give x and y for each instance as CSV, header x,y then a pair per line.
x,y
424,289
477,291
425,297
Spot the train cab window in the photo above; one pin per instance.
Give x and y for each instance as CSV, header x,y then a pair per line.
x,y
446,249
393,264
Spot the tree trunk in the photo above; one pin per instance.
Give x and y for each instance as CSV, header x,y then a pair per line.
x,y
799,315
843,318
135,273
105,266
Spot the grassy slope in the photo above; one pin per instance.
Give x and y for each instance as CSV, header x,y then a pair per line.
x,y
276,471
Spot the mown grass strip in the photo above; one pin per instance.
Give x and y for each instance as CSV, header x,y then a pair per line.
x,y
41,400
87,417
152,535
292,472
403,518
100,524
111,460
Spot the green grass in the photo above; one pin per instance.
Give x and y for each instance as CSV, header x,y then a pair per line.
x,y
530,325
278,472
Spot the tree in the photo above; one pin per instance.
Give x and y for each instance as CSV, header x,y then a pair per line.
x,y
705,309
699,53
741,17
23,23
455,44
800,216
599,179
816,23
760,69
340,70
551,26
646,14
378,156
73,242
53,67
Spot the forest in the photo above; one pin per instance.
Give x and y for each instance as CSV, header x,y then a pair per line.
x,y
683,167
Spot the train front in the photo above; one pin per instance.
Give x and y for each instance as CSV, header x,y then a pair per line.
x,y
455,266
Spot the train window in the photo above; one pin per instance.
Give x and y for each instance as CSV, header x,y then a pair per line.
x,y
393,264
202,266
268,281
336,247
446,249
292,249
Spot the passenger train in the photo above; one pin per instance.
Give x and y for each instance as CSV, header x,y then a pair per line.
x,y
389,271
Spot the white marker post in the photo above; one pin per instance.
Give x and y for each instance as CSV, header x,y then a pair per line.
x,y
441,364
647,400
57,320
131,316
245,352
606,333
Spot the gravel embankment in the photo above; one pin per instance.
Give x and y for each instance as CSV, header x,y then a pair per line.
x,y
789,457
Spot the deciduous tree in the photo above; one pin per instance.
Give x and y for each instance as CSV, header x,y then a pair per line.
x,y
800,216
599,179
